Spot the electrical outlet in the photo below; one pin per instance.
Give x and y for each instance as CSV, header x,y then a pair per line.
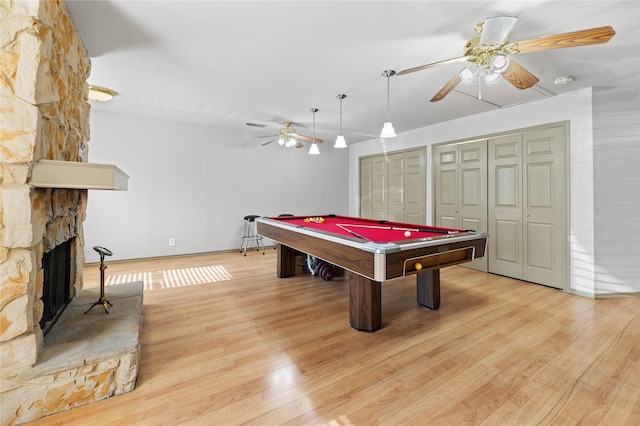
x,y
172,242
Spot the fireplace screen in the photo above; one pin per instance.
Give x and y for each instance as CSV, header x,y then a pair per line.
x,y
56,289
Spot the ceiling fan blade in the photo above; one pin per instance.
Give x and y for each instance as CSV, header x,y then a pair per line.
x,y
574,39
268,142
451,84
424,67
299,144
519,77
309,138
496,30
267,136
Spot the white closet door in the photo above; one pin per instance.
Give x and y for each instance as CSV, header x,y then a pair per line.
x,y
379,189
472,206
366,187
505,206
544,207
396,189
527,233
446,186
414,180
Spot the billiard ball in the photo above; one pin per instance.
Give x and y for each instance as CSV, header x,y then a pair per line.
x,y
407,234
418,266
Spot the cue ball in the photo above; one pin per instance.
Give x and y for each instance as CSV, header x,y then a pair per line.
x,y
418,266
407,234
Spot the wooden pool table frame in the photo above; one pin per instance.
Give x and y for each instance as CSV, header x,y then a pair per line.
x,y
370,263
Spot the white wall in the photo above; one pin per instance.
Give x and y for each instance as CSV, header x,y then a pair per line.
x,y
616,119
196,183
621,275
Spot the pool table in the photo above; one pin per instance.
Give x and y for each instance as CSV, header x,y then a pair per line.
x,y
373,251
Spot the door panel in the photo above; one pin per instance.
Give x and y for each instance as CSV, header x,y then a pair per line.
x,y
507,256
544,209
446,186
396,187
540,185
448,221
505,206
472,204
414,192
366,187
540,235
379,190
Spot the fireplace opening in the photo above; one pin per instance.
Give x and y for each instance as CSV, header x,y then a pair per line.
x,y
56,288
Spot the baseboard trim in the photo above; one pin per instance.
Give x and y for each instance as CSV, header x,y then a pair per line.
x,y
617,295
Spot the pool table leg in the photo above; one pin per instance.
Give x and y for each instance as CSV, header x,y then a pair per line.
x,y
286,261
365,303
428,289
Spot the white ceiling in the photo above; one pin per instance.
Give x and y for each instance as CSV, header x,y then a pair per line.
x,y
226,63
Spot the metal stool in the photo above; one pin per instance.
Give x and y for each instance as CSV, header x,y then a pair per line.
x,y
250,234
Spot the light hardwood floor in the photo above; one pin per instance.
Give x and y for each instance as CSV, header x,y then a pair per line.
x,y
225,342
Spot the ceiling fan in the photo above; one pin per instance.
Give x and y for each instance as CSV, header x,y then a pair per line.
x,y
489,53
288,137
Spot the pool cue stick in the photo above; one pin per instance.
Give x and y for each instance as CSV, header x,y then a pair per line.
x,y
395,228
351,232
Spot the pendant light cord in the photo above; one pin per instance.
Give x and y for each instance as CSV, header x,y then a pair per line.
x,y
340,114
314,110
388,78
388,74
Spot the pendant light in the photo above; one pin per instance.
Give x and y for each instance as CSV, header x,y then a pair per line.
x,y
387,129
340,142
314,146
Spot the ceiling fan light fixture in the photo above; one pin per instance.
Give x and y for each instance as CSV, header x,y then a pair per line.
x,y
387,129
101,94
291,142
281,141
491,77
468,74
499,63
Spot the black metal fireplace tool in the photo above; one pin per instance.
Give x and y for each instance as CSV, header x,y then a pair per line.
x,y
103,300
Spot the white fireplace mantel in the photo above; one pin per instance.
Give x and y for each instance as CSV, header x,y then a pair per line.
x,y
77,175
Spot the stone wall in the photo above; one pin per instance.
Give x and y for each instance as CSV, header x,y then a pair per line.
x,y
44,114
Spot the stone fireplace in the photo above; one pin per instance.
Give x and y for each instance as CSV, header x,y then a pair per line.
x,y
44,115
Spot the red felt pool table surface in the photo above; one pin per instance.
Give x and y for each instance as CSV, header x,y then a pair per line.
x,y
378,231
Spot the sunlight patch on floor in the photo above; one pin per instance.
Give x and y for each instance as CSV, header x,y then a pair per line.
x,y
171,278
